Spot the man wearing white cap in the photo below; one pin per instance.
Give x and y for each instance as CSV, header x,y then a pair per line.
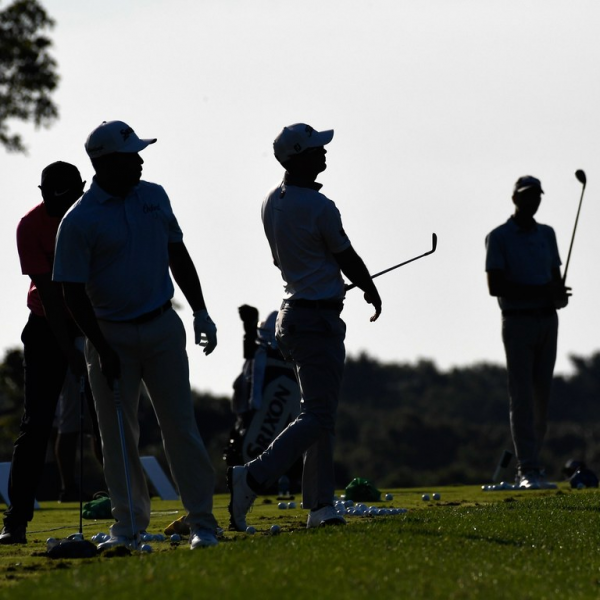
x,y
113,254
311,249
523,272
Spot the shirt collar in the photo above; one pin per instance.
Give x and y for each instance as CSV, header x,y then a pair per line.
x,y
516,227
102,195
289,179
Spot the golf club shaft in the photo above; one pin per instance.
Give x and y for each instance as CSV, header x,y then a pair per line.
x,y
573,236
81,422
119,408
433,248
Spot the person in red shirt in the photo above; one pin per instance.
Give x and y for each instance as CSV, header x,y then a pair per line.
x,y
48,340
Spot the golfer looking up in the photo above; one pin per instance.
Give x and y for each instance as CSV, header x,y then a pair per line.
x,y
311,249
523,271
113,254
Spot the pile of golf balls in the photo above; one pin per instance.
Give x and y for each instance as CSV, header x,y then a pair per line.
x,y
349,508
284,505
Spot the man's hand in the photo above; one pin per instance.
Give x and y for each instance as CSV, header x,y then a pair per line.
x,y
560,294
205,330
375,300
110,365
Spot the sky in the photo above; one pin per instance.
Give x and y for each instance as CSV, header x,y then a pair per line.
x,y
438,106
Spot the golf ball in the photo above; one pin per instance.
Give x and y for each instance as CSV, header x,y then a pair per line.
x,y
146,548
389,497
291,505
425,497
250,530
175,538
436,496
275,529
282,506
76,537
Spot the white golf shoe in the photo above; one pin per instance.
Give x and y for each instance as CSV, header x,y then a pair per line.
x,y
242,497
202,538
327,515
119,540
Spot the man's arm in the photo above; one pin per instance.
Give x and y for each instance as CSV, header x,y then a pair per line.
x,y
554,291
356,271
81,309
185,275
54,309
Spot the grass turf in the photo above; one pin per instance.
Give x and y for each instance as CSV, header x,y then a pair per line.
x,y
470,544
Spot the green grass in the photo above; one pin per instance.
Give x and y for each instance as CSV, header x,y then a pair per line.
x,y
470,544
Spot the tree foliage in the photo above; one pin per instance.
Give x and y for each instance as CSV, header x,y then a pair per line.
x,y
398,424
27,70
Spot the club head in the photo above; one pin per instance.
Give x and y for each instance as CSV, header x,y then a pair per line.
x,y
581,176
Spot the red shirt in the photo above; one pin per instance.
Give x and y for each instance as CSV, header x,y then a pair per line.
x,y
36,234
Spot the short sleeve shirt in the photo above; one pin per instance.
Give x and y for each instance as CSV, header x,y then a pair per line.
x,y
526,256
118,247
36,233
304,230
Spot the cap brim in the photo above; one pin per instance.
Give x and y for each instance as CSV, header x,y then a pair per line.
x,y
136,145
321,138
529,187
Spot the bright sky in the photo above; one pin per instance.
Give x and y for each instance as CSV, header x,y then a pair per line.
x,y
438,107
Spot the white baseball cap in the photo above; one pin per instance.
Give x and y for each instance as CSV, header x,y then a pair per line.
x,y
297,138
114,136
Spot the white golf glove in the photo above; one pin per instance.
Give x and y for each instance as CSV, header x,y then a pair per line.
x,y
205,330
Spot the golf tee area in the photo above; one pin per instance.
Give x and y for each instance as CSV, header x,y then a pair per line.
x,y
449,542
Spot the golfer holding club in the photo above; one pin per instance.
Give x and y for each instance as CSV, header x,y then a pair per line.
x,y
523,272
113,254
311,249
48,344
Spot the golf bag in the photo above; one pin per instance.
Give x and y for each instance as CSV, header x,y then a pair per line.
x,y
266,397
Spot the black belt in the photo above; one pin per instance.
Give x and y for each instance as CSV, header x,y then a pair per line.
x,y
149,316
337,305
529,312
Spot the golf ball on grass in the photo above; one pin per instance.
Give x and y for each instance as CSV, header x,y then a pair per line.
x,y
250,530
175,538
389,497
275,529
282,506
146,548
436,496
425,497
291,505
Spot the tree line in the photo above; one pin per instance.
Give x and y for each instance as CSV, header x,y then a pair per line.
x,y
399,424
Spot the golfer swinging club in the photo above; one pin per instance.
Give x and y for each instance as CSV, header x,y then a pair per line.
x,y
311,249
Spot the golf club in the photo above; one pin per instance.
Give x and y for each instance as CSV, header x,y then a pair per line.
x,y
583,180
433,247
502,464
119,408
75,546
81,423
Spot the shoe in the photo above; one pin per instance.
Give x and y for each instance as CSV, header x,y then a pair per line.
x,y
202,538
534,480
178,526
119,540
242,497
327,515
13,534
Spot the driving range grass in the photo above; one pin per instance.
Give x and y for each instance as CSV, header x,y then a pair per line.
x,y
469,544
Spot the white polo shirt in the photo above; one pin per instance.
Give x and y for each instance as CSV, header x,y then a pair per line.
x,y
118,247
526,257
304,230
